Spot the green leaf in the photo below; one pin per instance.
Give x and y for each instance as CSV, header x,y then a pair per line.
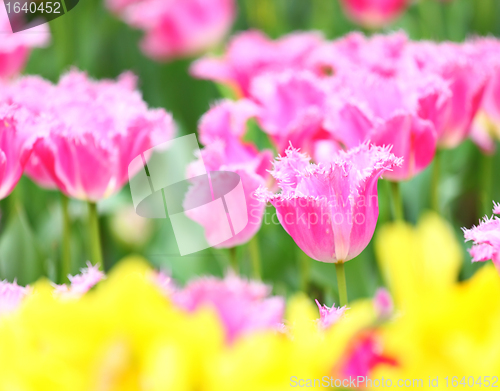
x,y
19,252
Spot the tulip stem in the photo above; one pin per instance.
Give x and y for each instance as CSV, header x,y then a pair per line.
x,y
66,241
305,271
486,197
436,173
95,236
254,248
339,268
397,201
233,260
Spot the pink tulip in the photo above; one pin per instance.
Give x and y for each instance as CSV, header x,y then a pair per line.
x,y
480,134
16,146
374,13
381,54
457,65
92,132
383,303
221,130
178,28
461,66
81,283
486,239
364,354
491,100
243,306
293,108
120,6
330,210
329,316
386,111
11,296
15,47
486,125
226,123
251,54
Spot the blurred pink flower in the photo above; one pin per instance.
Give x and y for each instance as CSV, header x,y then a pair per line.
x,y
15,47
385,111
16,146
226,124
457,65
120,6
381,54
11,296
480,134
325,150
221,130
165,282
251,53
491,100
486,50
383,303
486,125
464,67
330,210
374,13
243,306
364,354
177,28
486,239
93,129
329,316
293,108
81,283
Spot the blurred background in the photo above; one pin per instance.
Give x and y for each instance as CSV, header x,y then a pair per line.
x,y
90,38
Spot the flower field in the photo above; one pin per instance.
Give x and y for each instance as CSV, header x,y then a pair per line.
x,y
334,224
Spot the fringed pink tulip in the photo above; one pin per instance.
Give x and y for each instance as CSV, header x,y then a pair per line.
x,y
251,54
293,108
380,54
243,306
386,111
16,144
81,283
178,28
374,13
486,239
221,130
226,124
15,47
92,132
11,296
330,210
329,316
457,65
